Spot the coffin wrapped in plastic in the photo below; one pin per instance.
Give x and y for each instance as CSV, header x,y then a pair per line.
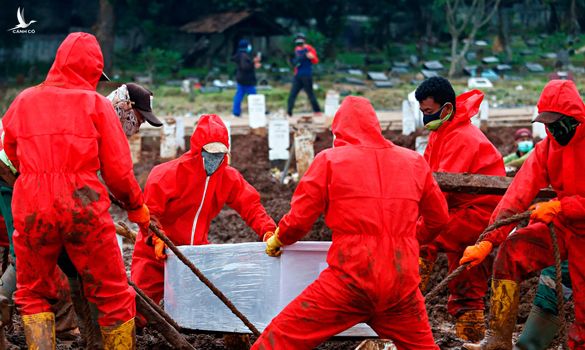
x,y
259,286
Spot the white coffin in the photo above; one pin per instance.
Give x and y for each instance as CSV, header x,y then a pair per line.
x,y
259,286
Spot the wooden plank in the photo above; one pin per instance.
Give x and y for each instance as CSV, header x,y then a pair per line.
x,y
480,184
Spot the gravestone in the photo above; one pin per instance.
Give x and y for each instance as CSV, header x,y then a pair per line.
x,y
420,144
357,72
135,142
383,84
257,111
538,129
534,67
433,65
331,103
278,139
429,73
180,133
490,60
168,140
479,83
377,76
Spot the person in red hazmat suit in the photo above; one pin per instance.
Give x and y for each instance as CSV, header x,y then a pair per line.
x,y
58,135
557,161
185,194
372,193
457,146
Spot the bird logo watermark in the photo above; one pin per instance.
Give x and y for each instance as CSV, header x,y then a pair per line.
x,y
22,26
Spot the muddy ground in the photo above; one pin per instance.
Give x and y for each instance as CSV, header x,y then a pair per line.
x,y
249,155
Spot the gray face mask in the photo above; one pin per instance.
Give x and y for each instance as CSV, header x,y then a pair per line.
x,y
211,161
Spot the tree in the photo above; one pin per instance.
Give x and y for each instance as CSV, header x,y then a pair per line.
x,y
466,17
105,33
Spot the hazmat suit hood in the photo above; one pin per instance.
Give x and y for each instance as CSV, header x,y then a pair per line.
x,y
78,64
467,106
356,124
210,128
562,96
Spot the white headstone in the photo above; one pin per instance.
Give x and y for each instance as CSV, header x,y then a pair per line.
x,y
421,143
180,132
168,140
538,129
483,115
479,83
186,86
278,139
415,108
331,103
257,111
408,122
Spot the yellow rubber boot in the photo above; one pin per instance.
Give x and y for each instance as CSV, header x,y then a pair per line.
x,y
39,330
504,301
470,326
425,268
122,337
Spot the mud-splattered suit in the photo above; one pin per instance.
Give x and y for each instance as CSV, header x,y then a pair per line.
x,y
372,193
59,134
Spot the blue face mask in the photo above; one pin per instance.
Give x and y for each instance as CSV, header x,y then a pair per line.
x,y
525,146
249,48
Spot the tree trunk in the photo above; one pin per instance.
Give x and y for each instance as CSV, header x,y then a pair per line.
x,y
574,25
454,55
105,33
553,21
503,32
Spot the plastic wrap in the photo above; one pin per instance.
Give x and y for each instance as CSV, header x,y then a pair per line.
x,y
259,286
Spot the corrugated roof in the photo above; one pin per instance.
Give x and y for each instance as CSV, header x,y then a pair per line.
x,y
216,23
256,23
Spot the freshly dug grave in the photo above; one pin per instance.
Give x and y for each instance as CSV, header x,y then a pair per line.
x,y
249,156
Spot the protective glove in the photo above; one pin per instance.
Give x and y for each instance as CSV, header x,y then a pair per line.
x,y
159,248
475,254
140,216
267,235
273,245
545,211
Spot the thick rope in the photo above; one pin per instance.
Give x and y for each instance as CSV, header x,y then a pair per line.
x,y
559,288
500,223
140,294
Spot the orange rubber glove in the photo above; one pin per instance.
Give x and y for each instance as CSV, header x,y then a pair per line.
x,y
159,248
475,254
267,235
140,216
545,211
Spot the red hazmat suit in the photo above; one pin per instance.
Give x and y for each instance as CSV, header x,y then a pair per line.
x,y
184,200
460,147
529,250
371,192
59,134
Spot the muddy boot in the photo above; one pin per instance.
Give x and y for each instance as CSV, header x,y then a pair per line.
x,y
7,288
122,337
540,330
425,268
39,330
470,326
504,301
